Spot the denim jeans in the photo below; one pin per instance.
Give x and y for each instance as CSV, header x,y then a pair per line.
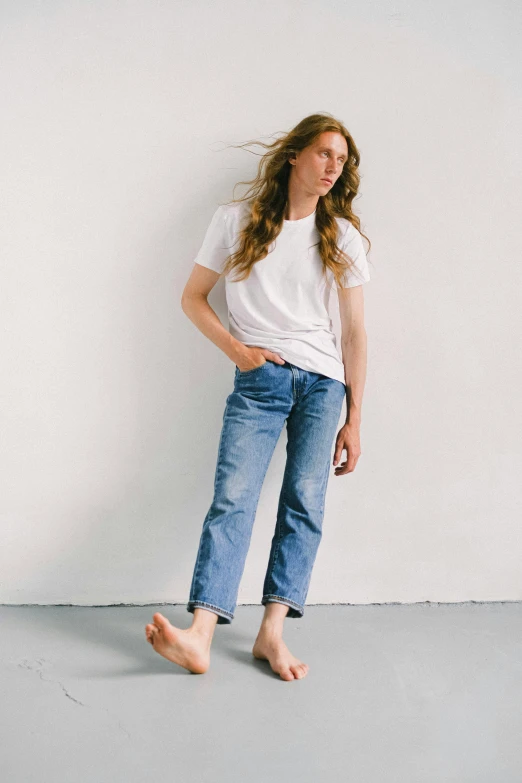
x,y
262,401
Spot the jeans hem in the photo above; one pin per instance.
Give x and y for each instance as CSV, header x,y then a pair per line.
x,y
295,610
224,617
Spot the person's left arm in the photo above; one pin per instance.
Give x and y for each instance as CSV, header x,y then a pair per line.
x,y
354,353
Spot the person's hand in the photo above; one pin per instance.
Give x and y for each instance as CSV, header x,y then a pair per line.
x,y
348,438
252,355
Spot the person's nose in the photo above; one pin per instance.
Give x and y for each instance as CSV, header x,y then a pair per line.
x,y
331,170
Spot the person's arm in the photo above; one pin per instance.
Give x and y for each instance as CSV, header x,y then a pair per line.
x,y
195,305
208,268
354,354
353,348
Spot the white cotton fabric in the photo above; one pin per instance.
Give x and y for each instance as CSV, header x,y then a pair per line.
x,y
283,305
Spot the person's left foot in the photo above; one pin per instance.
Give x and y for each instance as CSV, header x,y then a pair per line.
x,y
274,650
188,647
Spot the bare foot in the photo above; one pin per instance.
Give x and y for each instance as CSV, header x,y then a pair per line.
x,y
274,650
186,647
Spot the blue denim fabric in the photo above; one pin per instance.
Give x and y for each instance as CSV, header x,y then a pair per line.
x,y
262,401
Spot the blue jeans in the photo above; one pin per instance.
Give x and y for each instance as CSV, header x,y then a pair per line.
x,y
262,401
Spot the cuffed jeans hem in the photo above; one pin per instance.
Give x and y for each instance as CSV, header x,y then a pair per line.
x,y
224,617
295,610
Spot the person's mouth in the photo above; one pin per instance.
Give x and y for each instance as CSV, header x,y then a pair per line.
x,y
325,179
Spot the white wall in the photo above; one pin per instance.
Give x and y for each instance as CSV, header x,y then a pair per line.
x,y
112,161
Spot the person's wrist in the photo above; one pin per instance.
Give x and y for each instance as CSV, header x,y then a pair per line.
x,y
240,353
354,419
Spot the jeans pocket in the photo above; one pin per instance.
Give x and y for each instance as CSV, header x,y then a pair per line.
x,y
249,372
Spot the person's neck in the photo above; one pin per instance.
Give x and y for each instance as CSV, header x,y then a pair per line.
x,y
300,206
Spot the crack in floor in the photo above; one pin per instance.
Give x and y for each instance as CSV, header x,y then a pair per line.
x,y
37,666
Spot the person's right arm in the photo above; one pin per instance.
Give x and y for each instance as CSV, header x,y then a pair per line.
x,y
195,305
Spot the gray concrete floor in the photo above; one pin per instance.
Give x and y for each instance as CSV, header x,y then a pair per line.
x,y
395,693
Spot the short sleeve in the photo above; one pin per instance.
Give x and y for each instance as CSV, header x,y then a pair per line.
x,y
352,245
216,244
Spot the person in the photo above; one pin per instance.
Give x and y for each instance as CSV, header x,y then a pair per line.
x,y
281,251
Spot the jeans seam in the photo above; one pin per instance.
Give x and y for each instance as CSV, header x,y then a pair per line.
x,y
325,485
212,606
196,567
278,537
284,598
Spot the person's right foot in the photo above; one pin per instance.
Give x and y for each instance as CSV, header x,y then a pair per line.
x,y
185,646
271,648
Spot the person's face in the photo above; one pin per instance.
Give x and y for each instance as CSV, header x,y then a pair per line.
x,y
323,159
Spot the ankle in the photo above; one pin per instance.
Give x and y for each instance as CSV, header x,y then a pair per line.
x,y
202,632
272,631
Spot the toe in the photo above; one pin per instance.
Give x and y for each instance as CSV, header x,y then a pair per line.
x,y
159,620
286,674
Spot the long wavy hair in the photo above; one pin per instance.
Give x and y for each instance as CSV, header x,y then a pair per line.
x,y
268,196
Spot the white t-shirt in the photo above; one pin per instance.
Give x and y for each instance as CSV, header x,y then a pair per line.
x,y
283,305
